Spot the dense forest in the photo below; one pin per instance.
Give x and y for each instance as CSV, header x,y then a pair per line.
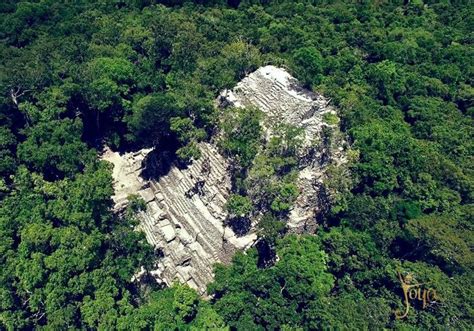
x,y
78,75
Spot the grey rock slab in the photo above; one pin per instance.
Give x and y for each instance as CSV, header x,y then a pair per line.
x,y
168,232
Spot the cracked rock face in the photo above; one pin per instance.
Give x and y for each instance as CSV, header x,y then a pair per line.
x,y
185,215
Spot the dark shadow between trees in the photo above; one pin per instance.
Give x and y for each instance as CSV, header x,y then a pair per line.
x,y
160,160
266,254
240,225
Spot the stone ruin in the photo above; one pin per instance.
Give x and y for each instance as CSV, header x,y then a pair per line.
x,y
281,98
184,216
185,212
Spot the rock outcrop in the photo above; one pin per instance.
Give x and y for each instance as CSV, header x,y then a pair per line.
x,y
185,215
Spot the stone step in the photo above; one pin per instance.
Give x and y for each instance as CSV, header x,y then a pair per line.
x,y
218,163
147,226
183,205
191,225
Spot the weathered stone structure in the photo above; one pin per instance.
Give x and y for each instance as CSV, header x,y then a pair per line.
x,y
185,213
275,92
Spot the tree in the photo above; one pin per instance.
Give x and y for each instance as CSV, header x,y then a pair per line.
x,y
55,148
236,60
241,134
189,136
445,238
150,118
389,79
248,296
67,260
285,196
108,83
7,157
238,205
309,65
174,307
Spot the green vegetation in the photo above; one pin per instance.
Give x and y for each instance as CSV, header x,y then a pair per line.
x,y
242,135
331,118
265,173
285,294
271,180
239,205
75,75
188,135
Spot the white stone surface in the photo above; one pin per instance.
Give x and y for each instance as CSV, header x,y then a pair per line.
x,y
168,232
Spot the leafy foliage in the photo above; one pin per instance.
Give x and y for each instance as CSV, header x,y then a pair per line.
x,y
247,296
134,74
242,134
